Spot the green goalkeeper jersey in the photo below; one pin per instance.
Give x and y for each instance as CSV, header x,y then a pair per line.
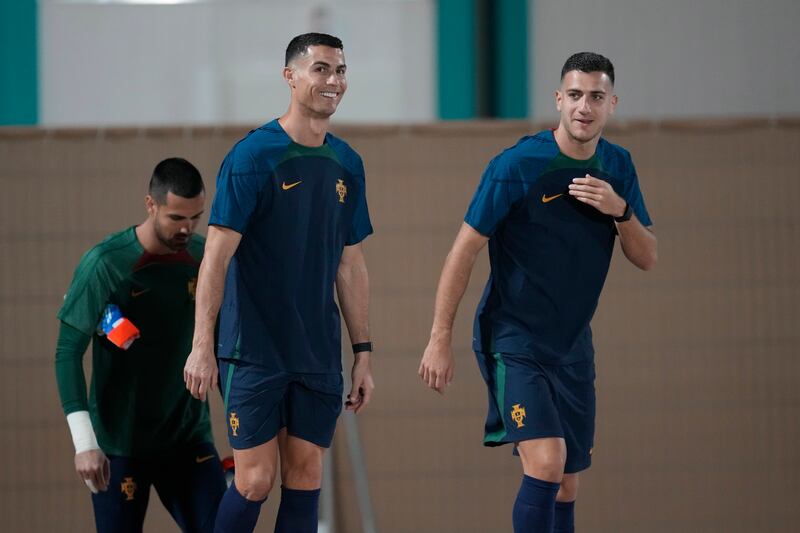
x,y
138,402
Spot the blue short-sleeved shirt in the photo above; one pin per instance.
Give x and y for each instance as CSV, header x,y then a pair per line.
x,y
549,253
296,208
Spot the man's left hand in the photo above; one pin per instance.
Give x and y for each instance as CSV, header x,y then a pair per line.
x,y
599,194
361,391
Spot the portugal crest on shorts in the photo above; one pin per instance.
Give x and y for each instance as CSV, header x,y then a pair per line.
x,y
518,415
341,190
128,487
233,421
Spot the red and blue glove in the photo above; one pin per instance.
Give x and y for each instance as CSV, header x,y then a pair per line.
x,y
119,330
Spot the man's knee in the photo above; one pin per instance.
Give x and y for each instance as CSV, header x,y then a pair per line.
x,y
303,474
301,462
568,491
255,482
543,458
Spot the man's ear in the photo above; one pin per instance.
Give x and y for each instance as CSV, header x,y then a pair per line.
x,y
150,205
288,75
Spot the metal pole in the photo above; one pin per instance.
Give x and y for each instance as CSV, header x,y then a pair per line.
x,y
327,515
356,455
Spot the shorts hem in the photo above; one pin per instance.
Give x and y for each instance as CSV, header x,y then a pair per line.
x,y
252,443
313,440
508,440
258,442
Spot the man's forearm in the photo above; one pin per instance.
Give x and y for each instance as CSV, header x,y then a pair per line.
x,y
452,285
352,287
638,243
210,288
70,377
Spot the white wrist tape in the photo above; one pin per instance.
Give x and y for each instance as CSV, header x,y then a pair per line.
x,y
83,437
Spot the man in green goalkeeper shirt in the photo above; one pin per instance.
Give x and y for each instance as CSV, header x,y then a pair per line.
x,y
132,295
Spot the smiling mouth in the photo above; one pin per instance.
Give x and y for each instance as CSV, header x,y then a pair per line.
x,y
328,94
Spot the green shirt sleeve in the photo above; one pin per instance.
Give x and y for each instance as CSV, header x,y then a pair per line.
x,y
84,303
71,380
88,294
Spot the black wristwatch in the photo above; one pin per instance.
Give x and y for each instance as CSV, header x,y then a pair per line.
x,y
362,347
626,215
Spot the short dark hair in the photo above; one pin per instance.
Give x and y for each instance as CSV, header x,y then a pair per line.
x,y
588,62
175,175
300,44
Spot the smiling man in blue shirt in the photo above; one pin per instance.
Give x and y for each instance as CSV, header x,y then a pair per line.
x,y
550,209
286,227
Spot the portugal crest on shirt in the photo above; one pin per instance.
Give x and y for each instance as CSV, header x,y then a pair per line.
x,y
341,190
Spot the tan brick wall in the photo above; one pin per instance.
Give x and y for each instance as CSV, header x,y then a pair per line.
x,y
698,368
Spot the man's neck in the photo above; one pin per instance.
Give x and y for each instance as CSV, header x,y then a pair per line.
x,y
573,148
146,236
308,131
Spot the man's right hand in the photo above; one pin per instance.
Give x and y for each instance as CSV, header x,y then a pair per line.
x,y
437,365
94,469
200,372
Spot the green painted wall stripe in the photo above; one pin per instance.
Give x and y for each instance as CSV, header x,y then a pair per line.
x,y
500,394
19,92
510,59
456,31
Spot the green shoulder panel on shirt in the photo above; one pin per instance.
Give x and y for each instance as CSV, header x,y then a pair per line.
x,y
562,161
98,273
298,150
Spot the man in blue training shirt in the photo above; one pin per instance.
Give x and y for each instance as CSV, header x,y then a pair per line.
x,y
550,208
286,226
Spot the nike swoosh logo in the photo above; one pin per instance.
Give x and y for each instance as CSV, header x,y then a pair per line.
x,y
135,293
287,187
546,198
203,459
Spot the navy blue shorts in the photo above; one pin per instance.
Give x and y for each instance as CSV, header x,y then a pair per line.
x,y
528,400
259,402
189,482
